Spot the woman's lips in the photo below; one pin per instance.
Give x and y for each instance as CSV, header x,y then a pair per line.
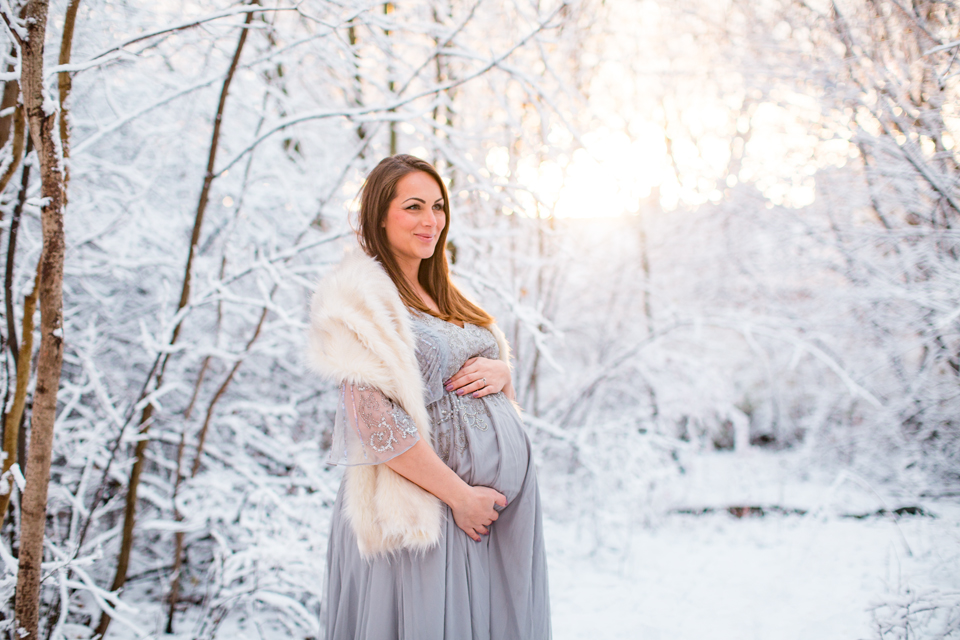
x,y
424,238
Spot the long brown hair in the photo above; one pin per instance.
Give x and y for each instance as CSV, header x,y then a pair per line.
x,y
378,191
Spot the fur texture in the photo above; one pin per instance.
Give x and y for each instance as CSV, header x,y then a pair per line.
x,y
360,333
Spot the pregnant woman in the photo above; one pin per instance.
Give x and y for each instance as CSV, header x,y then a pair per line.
x,y
436,530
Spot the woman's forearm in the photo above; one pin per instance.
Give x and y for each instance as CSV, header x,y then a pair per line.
x,y
421,465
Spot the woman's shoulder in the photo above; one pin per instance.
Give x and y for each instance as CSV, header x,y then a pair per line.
x,y
357,323
358,280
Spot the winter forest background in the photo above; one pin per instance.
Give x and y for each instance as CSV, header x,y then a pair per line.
x,y
721,235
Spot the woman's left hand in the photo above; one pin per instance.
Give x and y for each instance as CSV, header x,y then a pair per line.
x,y
480,376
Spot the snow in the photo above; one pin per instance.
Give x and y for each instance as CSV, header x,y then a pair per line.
x,y
777,577
717,577
18,476
38,202
50,106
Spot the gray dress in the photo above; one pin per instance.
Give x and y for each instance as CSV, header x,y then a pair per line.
x,y
495,589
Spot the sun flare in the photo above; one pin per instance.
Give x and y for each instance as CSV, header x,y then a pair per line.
x,y
612,174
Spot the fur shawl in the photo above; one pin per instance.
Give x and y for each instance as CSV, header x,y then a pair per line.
x,y
360,333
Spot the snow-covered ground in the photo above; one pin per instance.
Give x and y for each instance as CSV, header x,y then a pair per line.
x,y
777,577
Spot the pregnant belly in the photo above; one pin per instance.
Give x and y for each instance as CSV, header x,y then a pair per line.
x,y
497,450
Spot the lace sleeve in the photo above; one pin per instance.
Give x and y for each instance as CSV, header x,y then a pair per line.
x,y
369,427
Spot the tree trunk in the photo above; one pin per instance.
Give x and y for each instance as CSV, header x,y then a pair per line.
x,y
357,80
43,130
11,254
17,151
388,8
14,421
11,97
65,83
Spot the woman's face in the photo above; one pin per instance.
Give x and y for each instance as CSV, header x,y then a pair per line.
x,y
415,218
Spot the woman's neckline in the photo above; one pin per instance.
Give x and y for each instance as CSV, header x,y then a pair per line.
x,y
430,315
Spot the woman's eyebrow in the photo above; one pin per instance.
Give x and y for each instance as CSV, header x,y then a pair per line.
x,y
419,200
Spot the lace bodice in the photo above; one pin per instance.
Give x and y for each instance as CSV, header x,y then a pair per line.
x,y
370,428
443,347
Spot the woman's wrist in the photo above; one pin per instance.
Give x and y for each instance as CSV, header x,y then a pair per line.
x,y
458,494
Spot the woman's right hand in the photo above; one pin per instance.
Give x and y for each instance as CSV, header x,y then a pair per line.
x,y
472,506
474,511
